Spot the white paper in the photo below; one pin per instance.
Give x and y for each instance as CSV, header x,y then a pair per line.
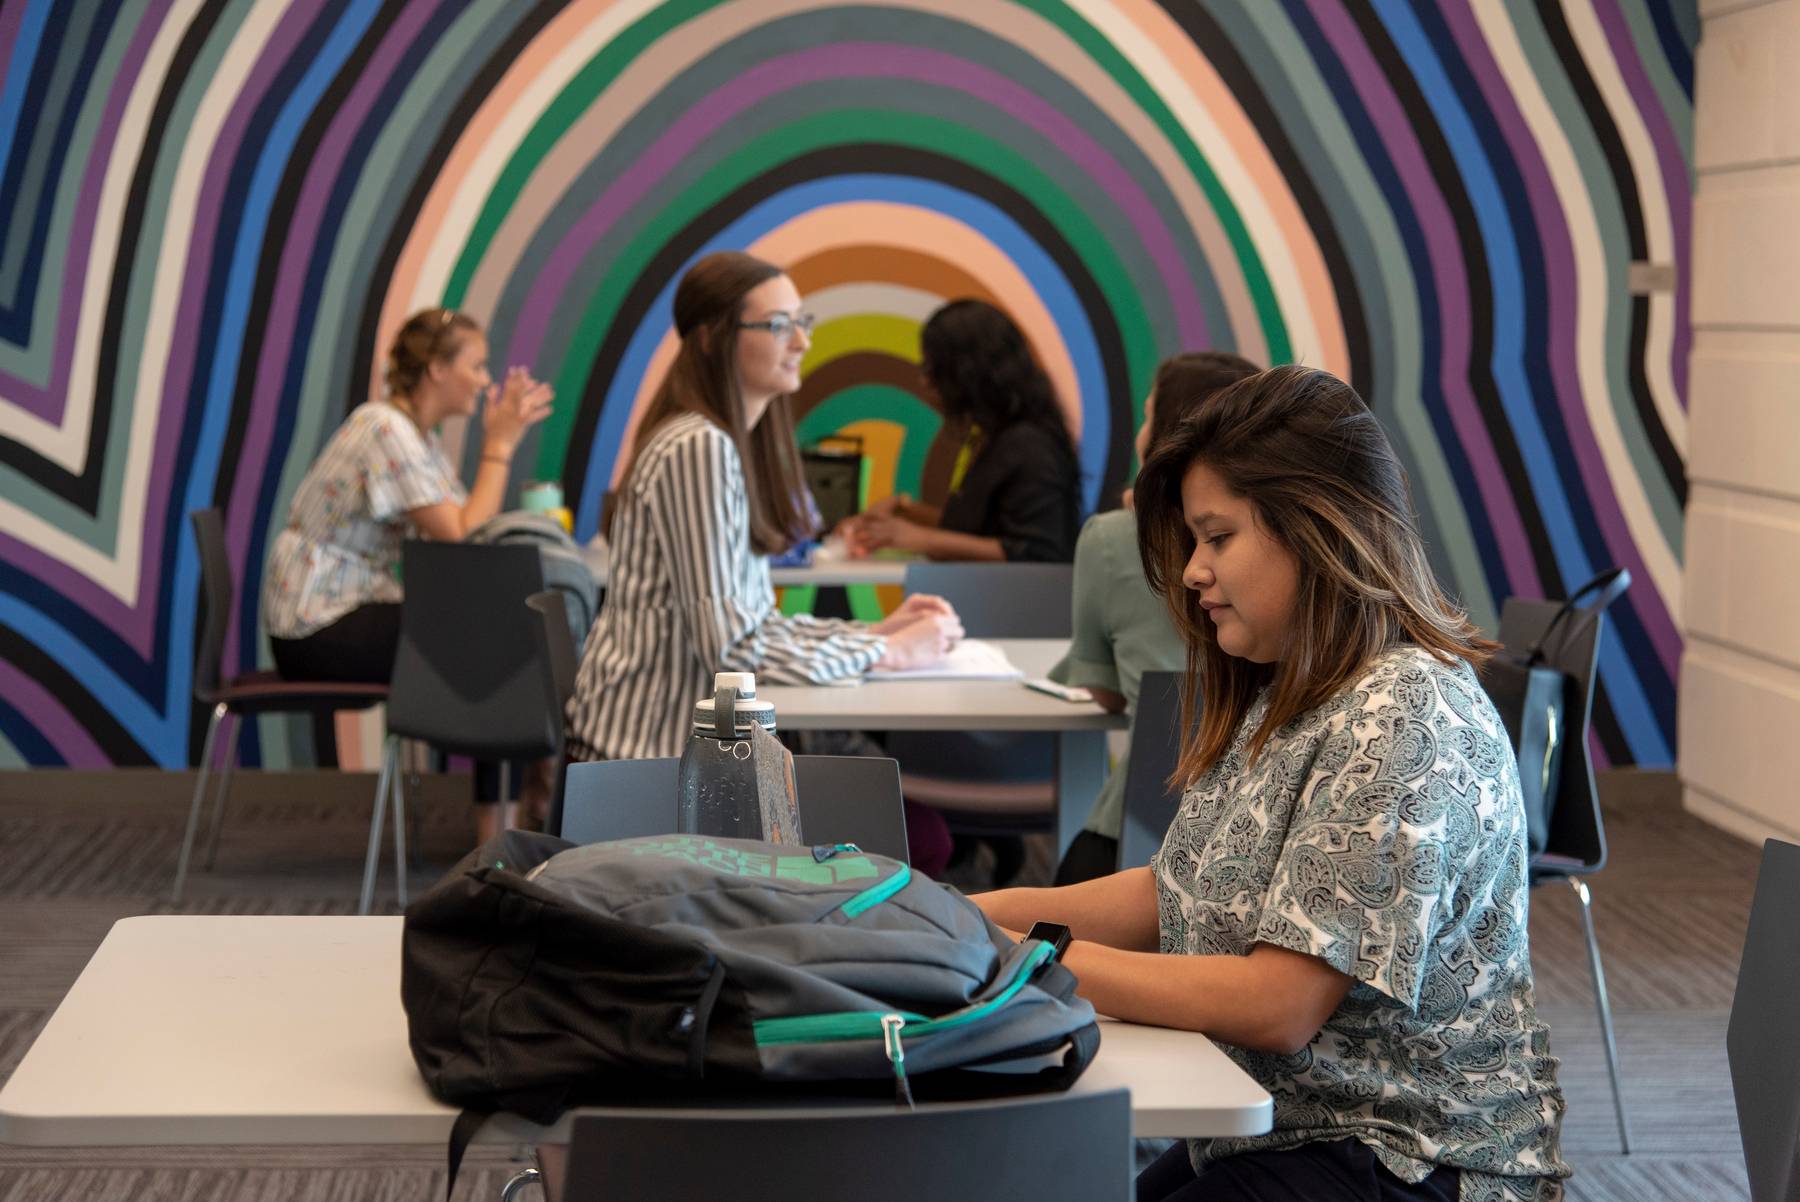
x,y
970,659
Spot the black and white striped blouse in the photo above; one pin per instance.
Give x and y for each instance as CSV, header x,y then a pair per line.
x,y
687,597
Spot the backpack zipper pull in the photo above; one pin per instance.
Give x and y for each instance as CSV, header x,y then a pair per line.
x,y
896,1054
825,851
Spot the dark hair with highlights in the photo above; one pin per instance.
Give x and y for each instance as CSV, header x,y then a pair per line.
x,y
1184,381
1323,481
709,302
429,336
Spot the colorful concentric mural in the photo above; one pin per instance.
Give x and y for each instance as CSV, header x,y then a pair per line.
x,y
216,212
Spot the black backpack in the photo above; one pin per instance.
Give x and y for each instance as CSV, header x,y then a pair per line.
x,y
539,975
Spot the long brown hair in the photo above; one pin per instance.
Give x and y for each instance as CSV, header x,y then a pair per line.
x,y
709,302
1324,482
1185,380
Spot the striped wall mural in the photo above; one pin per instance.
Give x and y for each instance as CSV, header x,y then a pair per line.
x,y
217,211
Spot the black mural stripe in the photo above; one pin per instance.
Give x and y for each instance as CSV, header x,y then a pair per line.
x,y
1600,120
115,742
1377,160
1442,164
481,84
28,740
1218,50
866,157
83,491
1674,470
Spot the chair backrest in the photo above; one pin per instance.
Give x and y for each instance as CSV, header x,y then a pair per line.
x,y
469,674
1150,803
215,601
843,799
556,643
1576,831
1762,1043
1066,1147
1002,600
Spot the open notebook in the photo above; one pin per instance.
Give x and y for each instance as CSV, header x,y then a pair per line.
x,y
970,659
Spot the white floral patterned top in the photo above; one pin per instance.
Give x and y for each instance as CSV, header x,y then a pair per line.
x,y
1384,833
342,540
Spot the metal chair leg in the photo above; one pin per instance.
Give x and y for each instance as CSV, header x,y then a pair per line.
x,y
193,821
372,861
415,792
398,791
235,724
505,791
1605,1007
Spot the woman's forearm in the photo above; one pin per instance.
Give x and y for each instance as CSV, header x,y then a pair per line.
x,y
949,544
920,512
489,489
1119,910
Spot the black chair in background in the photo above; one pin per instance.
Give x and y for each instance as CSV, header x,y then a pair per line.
x,y
1150,803
843,799
250,693
1067,1147
561,659
995,784
1576,844
469,677
1761,1044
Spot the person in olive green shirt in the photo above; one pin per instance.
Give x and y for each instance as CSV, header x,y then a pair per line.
x,y
1122,629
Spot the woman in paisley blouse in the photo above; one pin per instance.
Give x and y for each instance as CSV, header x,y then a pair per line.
x,y
1340,900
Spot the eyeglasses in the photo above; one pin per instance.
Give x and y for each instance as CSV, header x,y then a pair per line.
x,y
781,325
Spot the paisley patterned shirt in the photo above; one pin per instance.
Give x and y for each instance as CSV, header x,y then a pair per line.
x,y
1383,832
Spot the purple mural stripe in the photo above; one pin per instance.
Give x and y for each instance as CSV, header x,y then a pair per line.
x,y
56,724
178,380
1452,285
284,309
1556,243
50,401
1672,167
852,60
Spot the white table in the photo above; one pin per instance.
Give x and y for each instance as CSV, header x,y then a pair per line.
x,y
1080,727
275,1030
824,572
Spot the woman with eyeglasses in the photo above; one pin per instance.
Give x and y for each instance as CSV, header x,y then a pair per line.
x,y
712,489
1015,494
1340,899
331,594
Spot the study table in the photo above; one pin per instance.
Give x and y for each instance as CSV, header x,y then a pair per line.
x,y
999,705
289,1030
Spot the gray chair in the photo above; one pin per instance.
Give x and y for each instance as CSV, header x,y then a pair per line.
x,y
990,782
1150,803
1576,843
469,677
561,659
1068,1147
843,799
1761,1046
1002,600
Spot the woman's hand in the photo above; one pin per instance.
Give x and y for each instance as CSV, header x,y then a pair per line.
x,y
876,531
918,605
523,403
922,642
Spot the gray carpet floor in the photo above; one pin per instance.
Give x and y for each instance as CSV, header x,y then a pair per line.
x,y
80,850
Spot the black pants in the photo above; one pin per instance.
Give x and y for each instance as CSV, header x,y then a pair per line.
x,y
358,647
1344,1170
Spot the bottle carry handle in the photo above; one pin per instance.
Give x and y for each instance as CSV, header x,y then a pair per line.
x,y
1609,584
725,714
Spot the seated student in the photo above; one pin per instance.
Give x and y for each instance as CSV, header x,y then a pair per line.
x,y
331,594
1341,898
1016,493
1121,628
714,488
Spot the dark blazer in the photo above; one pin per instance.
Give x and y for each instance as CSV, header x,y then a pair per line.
x,y
1023,488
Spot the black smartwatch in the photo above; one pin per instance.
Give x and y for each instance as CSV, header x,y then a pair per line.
x,y
1053,933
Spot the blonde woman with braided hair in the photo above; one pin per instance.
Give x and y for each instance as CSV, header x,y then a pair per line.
x,y
331,595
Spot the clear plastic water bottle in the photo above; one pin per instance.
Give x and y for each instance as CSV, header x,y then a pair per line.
x,y
736,779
